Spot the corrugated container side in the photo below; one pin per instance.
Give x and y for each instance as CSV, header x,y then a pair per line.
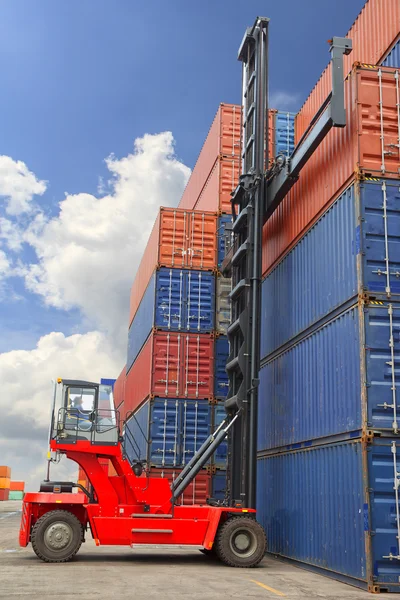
x,y
283,134
223,304
393,58
142,323
15,495
220,456
336,380
177,365
221,381
350,237
218,485
145,269
196,493
344,495
4,493
372,34
5,471
223,179
119,389
331,168
222,139
4,483
17,486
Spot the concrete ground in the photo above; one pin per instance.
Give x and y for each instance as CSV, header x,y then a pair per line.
x,y
125,574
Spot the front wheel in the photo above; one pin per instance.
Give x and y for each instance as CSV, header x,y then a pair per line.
x,y
241,542
57,536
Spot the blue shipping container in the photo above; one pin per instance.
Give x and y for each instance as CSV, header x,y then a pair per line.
x,y
343,254
284,133
338,379
220,455
175,300
168,431
221,380
333,508
393,58
218,485
107,382
221,236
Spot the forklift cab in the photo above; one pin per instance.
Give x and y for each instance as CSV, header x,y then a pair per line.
x,y
84,411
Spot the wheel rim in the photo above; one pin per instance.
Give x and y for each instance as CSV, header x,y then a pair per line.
x,y
58,536
243,543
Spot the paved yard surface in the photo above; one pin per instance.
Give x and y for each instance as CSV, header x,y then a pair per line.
x,y
125,574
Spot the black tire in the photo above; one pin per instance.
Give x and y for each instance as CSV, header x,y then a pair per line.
x,y
57,536
240,542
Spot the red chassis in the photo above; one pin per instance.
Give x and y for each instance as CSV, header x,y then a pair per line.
x,y
130,510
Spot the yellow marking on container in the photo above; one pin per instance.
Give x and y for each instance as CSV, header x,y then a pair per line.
x,y
266,587
376,302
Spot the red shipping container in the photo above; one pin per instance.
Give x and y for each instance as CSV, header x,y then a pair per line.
x,y
17,486
181,239
171,365
372,33
4,494
223,139
367,145
119,389
196,493
223,179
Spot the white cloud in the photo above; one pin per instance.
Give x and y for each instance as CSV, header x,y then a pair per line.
x,y
89,253
11,234
284,101
18,185
26,395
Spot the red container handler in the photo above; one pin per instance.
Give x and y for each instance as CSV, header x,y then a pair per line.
x,y
4,495
180,239
196,493
223,139
368,146
372,33
171,365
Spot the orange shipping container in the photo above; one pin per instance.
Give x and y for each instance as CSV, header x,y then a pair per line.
x,y
374,30
119,389
17,486
367,145
5,471
181,239
223,139
4,483
223,179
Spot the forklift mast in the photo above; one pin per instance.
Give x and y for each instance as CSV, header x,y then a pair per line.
x,y
262,187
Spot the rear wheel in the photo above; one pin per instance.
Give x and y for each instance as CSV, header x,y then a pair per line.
x,y
57,536
241,542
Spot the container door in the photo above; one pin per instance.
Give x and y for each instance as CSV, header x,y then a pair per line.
x,y
223,312
166,364
284,133
201,240
173,233
164,432
221,453
197,366
382,342
384,481
222,221
380,228
221,381
195,427
200,301
170,292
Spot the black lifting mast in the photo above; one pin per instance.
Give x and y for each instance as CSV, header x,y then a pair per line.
x,y
261,188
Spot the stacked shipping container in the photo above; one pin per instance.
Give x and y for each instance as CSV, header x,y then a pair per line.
x,y
329,423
